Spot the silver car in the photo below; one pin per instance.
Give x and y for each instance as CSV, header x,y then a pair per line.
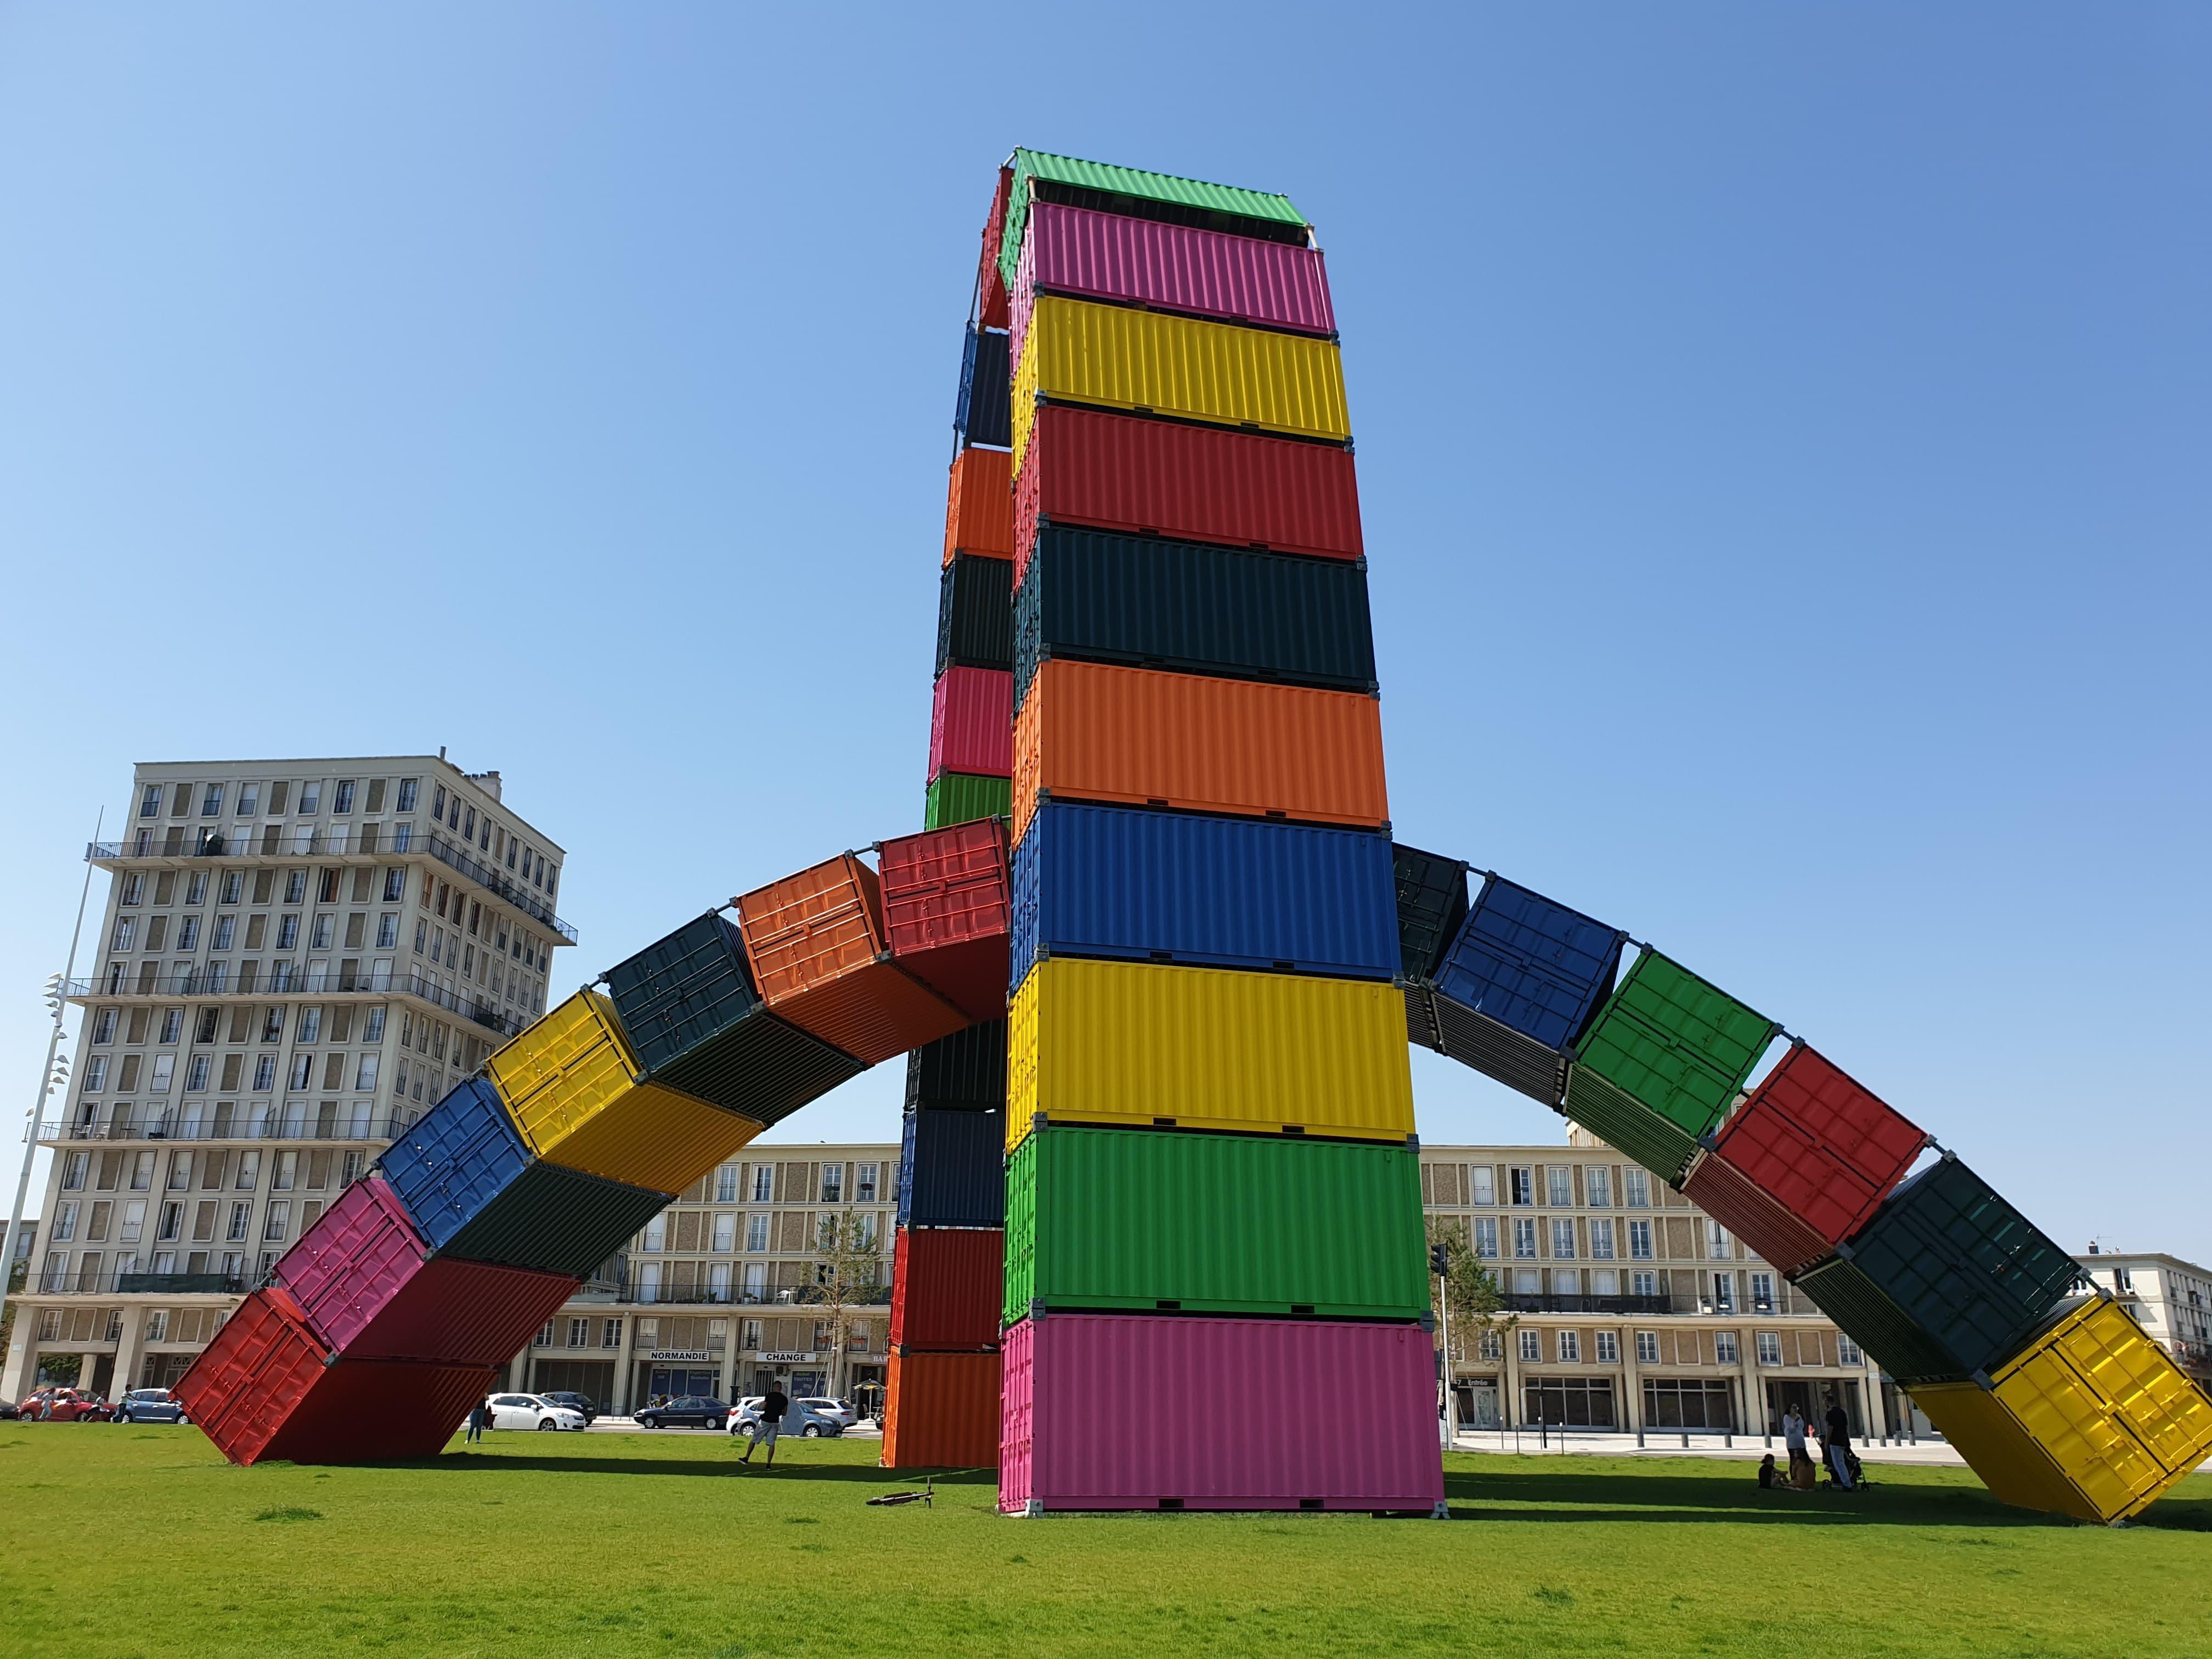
x,y
810,1419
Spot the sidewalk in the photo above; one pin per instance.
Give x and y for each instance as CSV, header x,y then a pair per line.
x,y
1659,1442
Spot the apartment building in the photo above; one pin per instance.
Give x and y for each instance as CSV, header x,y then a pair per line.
x,y
297,957
2169,1297
719,1294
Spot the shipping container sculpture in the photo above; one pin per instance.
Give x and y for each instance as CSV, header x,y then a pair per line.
x,y
1153,961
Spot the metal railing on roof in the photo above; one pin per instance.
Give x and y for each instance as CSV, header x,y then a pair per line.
x,y
218,981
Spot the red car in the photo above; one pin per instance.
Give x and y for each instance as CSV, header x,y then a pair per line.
x,y
62,1405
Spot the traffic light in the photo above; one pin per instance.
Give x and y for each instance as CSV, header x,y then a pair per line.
x,y
1439,1260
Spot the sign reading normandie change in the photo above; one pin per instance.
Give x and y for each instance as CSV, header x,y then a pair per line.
x,y
679,1354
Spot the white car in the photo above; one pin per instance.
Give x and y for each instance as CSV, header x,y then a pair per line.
x,y
529,1411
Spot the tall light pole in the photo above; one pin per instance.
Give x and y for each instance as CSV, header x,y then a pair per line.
x,y
57,1002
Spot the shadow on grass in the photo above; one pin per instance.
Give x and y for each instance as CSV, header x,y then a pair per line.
x,y
724,1469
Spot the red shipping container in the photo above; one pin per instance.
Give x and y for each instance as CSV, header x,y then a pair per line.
x,y
979,504
1202,273
971,723
815,945
1187,482
1819,1144
266,1388
947,911
366,1287
941,1411
995,230
947,1286
1725,1193
1142,1412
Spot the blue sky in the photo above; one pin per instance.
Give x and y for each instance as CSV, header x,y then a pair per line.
x,y
1781,432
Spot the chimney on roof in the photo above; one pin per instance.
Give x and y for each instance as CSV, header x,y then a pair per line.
x,y
488,781
2092,1247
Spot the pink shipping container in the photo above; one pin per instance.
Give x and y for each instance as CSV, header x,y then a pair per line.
x,y
365,1284
1082,1424
971,723
1104,256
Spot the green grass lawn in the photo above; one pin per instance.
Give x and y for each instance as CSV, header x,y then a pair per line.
x,y
117,1541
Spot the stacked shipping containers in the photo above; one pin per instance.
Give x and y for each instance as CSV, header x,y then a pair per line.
x,y
1207,1083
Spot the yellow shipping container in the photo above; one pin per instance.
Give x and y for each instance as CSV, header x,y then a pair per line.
x,y
1145,1043
570,1084
2092,1418
1145,359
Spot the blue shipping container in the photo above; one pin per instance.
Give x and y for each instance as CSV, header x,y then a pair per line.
x,y
985,412
1113,881
952,1169
1535,967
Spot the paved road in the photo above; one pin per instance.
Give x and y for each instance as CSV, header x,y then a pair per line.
x,y
629,1425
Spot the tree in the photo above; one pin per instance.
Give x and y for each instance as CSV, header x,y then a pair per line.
x,y
848,1273
1472,1293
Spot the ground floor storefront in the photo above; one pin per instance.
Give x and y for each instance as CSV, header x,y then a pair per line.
x,y
1631,1403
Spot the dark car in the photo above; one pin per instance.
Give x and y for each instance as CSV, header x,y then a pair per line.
x,y
579,1402
151,1406
686,1411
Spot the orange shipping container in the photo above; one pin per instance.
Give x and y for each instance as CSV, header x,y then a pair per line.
x,y
816,944
1147,738
941,1411
979,505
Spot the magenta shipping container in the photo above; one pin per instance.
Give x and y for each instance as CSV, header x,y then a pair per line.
x,y
971,723
362,1277
1103,256
1084,1425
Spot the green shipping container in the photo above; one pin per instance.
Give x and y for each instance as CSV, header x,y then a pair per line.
x,y
1628,1126
960,797
1201,201
1673,1043
1264,1225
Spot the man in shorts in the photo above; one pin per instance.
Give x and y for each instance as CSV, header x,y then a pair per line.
x,y
768,1424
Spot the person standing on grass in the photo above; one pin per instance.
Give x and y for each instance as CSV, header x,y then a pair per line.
x,y
477,1413
768,1424
1793,1437
1840,1446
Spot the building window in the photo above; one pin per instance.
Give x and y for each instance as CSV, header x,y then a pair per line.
x,y
66,1221
1482,1185
288,932
1563,1238
763,1183
125,937
157,1325
132,890
655,1236
1762,1292
1608,1348
1723,1292
2123,1282
95,1071
1769,1347
755,1232
726,1233
1647,1347
196,1074
1485,1237
311,798
1636,1189
832,1183
103,1026
1847,1351
1561,1181
242,1220
149,801
1571,1347
1688,1403
1523,1180
864,1184
278,1221
364,1075
1717,1242
1597,1185
1724,1348
408,788
264,1073
341,797
610,1333
73,1171
211,801
1532,1345
1524,1239
303,1066
1639,1240
1601,1237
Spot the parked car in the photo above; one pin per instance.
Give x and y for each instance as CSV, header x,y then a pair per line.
x,y
530,1411
574,1402
57,1405
810,1419
686,1411
151,1406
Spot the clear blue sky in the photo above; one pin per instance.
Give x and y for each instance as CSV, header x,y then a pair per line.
x,y
1782,430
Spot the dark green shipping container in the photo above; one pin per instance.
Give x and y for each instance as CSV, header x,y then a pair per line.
x,y
1674,1042
965,1072
975,613
1260,1224
1143,602
962,798
1431,904
1628,1126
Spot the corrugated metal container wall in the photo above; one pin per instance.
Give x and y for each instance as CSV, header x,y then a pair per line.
x,y
965,1070
1529,964
981,415
1108,881
1207,1048
1132,1219
971,714
1137,738
1724,1192
366,1411
955,798
1144,603
942,1412
945,1288
816,944
686,1004
1190,482
1107,256
1948,1257
1821,1144
1084,1429
976,614
353,1261
1999,1449
1676,1042
252,1374
1187,483
1431,906
1625,1124
471,1190
461,1312
979,505
952,1172
1227,208
1155,364
945,912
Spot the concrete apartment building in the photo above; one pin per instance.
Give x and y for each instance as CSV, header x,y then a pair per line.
x,y
295,958
2170,1299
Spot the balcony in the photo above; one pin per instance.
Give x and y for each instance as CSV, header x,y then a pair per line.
x,y
492,881
1547,1302
293,1123
108,1281
209,982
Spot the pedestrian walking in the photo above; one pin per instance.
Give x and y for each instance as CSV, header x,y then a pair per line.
x,y
1800,1461
1839,1447
479,1414
767,1425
